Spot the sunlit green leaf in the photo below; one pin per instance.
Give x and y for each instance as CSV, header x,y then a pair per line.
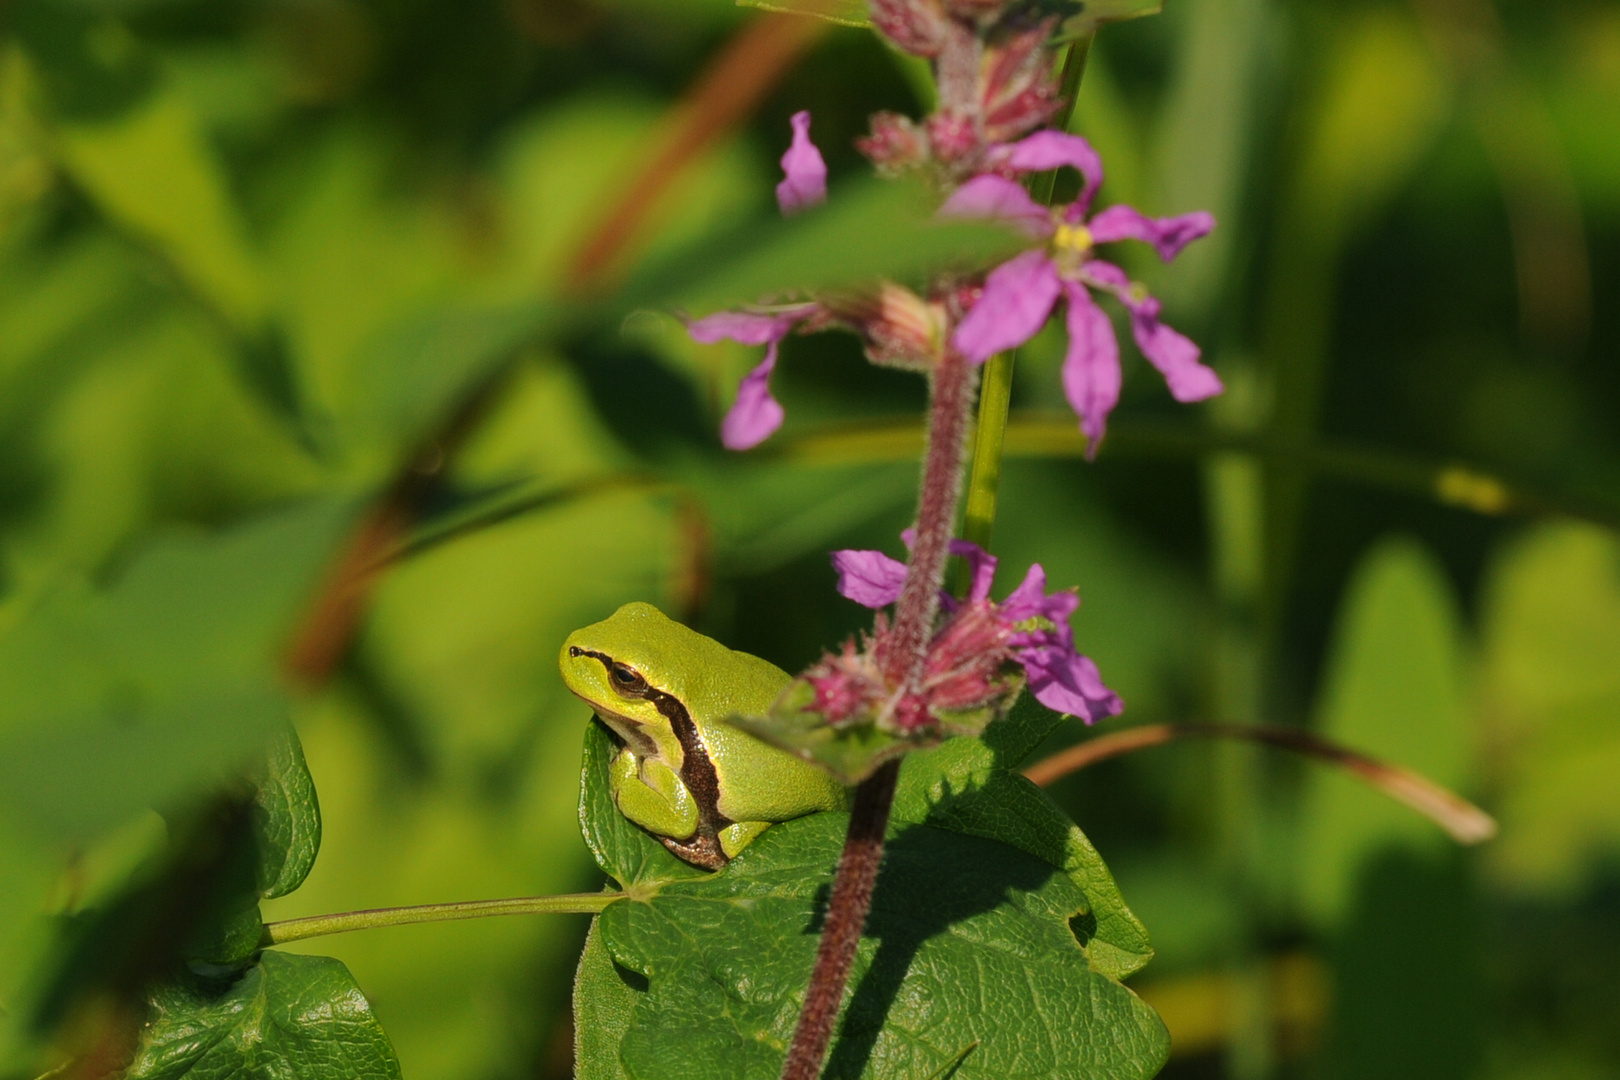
x,y
287,1016
968,941
287,817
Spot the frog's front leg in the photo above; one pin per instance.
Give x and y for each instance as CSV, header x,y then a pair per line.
x,y
649,793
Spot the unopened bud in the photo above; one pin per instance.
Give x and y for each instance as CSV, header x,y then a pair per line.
x,y
918,27
953,136
896,144
900,328
1019,85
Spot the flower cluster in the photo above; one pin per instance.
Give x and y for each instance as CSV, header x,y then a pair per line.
x,y
903,329
965,678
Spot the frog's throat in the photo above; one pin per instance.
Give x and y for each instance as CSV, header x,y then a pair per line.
x,y
697,772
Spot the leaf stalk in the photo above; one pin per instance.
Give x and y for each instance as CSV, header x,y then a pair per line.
x,y
288,930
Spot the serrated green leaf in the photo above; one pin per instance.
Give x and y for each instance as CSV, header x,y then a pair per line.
x,y
604,1005
973,786
287,1016
968,941
286,818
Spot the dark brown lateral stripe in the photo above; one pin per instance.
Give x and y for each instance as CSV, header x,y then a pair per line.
x,y
697,773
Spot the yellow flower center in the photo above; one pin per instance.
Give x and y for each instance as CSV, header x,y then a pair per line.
x,y
1075,238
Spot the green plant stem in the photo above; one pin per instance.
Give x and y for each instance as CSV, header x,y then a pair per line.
x,y
280,933
984,483
995,392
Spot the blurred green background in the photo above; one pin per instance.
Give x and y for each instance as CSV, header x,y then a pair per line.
x,y
256,254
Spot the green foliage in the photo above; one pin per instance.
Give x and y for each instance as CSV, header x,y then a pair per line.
x,y
973,786
1551,694
286,819
286,1016
182,644
1395,690
725,956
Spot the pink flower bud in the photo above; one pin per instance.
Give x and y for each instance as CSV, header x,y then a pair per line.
x,y
918,27
896,144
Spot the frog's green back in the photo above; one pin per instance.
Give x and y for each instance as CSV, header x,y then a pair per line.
x,y
760,782
712,680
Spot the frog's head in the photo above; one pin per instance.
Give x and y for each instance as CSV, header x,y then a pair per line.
x,y
622,667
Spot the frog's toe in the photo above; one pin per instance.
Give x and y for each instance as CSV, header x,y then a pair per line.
x,y
733,838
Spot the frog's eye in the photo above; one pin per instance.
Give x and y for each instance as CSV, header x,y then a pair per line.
x,y
627,680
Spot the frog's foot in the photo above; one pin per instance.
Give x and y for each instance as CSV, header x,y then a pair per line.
x,y
735,837
703,850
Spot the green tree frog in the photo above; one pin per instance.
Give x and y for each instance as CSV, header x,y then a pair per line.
x,y
702,787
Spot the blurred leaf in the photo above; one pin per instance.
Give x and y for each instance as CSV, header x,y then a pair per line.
x,y
287,1016
193,902
419,370
1394,689
842,12
866,231
160,685
153,172
1380,104
1551,624
1097,13
562,168
967,941
90,64
286,819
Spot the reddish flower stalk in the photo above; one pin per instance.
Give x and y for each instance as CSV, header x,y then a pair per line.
x,y
950,407
948,415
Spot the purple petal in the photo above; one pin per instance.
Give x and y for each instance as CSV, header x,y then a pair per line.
x,y
981,568
999,198
806,172
1066,682
744,327
1167,235
1105,275
869,578
1049,149
1030,601
755,414
1175,356
1091,374
1018,296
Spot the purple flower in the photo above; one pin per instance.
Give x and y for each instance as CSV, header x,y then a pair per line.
x,y
1019,295
755,414
805,183
1030,627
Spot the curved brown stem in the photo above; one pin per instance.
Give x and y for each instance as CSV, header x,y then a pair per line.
x,y
724,94
1466,823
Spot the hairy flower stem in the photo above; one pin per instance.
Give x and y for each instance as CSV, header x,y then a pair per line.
x,y
949,411
948,419
846,917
